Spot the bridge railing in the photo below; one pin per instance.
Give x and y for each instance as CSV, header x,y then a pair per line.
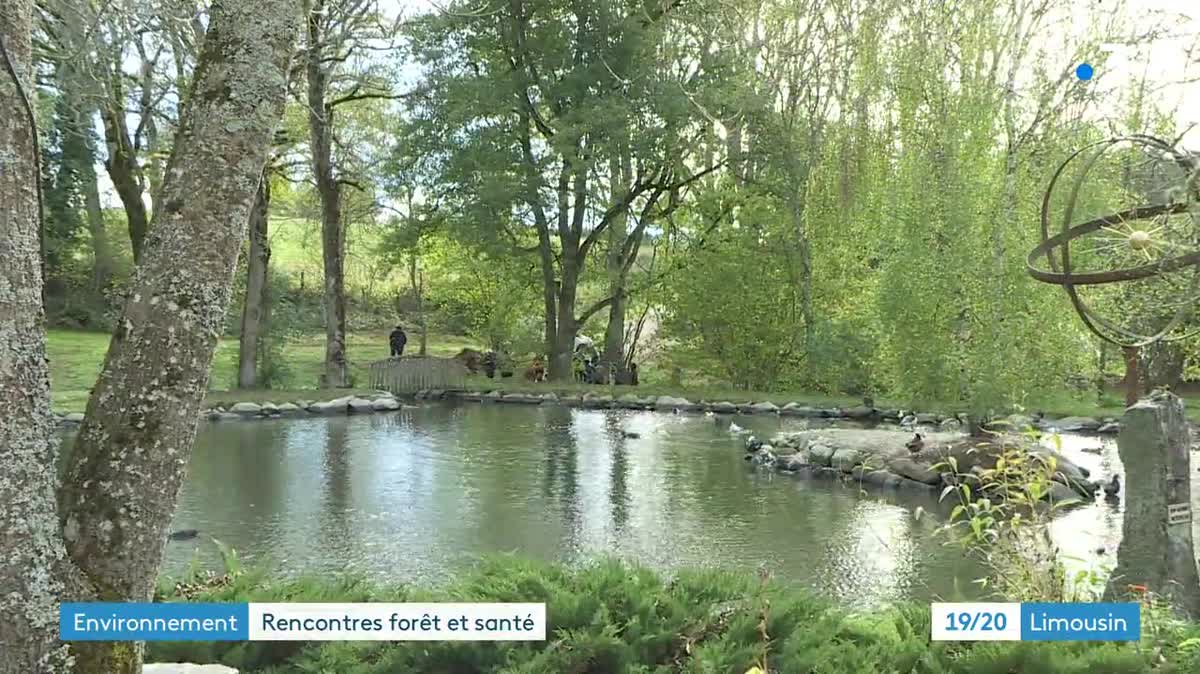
x,y
409,374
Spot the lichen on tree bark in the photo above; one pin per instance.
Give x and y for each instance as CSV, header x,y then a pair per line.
x,y
30,546
129,458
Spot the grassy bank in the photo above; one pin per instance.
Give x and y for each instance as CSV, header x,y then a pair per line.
x,y
76,358
612,618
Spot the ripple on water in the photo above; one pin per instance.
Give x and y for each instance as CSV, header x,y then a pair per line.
x,y
421,493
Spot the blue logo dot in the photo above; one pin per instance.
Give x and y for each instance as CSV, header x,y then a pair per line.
x,y
1084,71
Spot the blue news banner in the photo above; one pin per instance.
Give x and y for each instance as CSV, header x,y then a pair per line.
x,y
523,622
302,622
1036,622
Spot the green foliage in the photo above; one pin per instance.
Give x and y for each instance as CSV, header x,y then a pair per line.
x,y
878,189
1004,502
608,616
741,313
490,297
284,325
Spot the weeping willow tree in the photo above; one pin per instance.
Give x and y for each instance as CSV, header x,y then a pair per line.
x,y
925,209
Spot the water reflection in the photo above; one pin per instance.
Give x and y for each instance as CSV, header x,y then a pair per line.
x,y
416,494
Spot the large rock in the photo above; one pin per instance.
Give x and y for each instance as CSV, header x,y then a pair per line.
x,y
1067,469
246,409
338,406
764,408
523,398
798,410
1075,424
74,418
359,405
597,400
927,418
795,440
385,404
492,396
898,482
860,412
1061,494
906,467
793,462
288,409
185,668
667,403
1156,544
630,402
820,453
724,407
879,478
846,458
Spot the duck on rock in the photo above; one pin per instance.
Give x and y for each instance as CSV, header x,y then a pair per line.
x,y
916,444
1113,487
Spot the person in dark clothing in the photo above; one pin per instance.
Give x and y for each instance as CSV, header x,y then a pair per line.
x,y
633,375
397,340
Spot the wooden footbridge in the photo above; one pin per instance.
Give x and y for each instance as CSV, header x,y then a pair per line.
x,y
408,374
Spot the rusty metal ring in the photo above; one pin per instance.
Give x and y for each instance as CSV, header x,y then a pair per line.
x,y
1069,279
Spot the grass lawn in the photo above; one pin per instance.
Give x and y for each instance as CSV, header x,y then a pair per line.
x,y
76,357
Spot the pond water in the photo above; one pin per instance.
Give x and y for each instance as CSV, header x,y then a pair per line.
x,y
417,495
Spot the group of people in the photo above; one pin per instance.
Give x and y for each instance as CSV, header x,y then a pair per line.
x,y
589,367
586,358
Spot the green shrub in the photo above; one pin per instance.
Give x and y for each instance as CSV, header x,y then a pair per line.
x,y
613,617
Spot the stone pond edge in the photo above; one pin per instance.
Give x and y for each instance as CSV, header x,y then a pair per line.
x,y
387,402
382,401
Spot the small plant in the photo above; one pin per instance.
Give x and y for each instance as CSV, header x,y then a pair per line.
x,y
229,558
1002,518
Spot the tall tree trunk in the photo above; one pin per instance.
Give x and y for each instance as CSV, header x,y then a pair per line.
x,y
29,538
133,447
561,366
417,280
614,334
575,175
257,265
333,236
102,256
122,165
549,290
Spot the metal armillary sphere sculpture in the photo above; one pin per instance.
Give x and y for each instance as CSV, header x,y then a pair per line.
x,y
1142,263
